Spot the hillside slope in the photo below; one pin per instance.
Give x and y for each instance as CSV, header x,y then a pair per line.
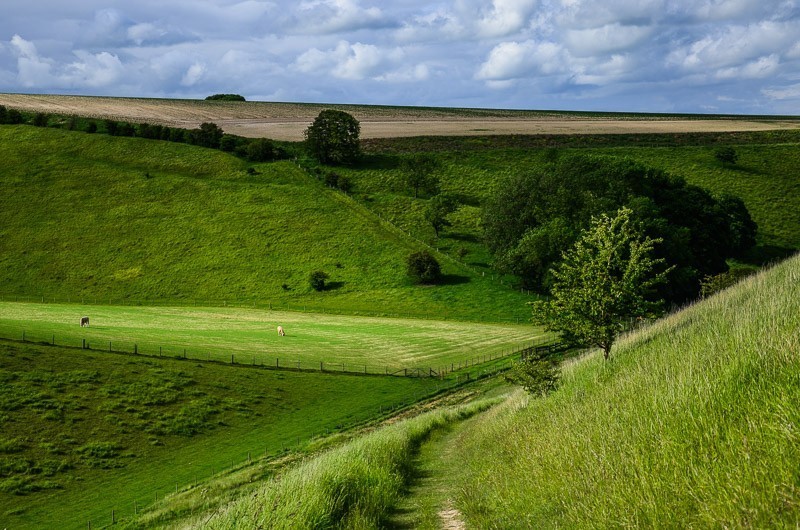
x,y
125,219
692,423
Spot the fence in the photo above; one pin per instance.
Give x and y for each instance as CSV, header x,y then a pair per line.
x,y
276,363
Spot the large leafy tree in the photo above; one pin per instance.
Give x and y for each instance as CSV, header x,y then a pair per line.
x,y
534,217
333,138
602,283
419,174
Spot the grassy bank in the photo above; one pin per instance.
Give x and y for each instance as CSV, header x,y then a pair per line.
x,y
692,423
352,486
84,433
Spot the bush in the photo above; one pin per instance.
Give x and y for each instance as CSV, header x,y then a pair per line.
x,y
536,374
423,267
317,280
727,155
40,119
333,138
262,150
91,127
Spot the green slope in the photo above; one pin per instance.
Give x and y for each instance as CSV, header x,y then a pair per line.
x,y
692,423
101,218
766,178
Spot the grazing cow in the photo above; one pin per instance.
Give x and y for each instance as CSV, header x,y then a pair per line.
x,y
281,332
85,321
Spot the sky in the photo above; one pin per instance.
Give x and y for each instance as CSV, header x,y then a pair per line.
x,y
694,56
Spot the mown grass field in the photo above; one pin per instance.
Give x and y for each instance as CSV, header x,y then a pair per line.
x,y
82,433
692,423
379,344
101,218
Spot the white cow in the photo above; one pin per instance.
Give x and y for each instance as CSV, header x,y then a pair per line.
x,y
281,332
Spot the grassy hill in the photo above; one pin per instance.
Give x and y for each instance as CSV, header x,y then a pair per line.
x,y
692,423
471,169
87,217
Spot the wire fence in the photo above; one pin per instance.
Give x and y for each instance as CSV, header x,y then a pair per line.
x,y
261,360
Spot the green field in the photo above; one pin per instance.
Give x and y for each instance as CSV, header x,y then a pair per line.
x,y
377,344
87,432
141,221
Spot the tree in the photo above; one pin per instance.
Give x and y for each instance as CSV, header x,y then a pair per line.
x,y
333,138
317,280
603,282
208,135
419,174
423,267
439,207
262,150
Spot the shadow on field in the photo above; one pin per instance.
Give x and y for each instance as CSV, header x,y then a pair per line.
x,y
332,286
453,279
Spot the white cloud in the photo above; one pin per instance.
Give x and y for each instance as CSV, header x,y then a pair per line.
x,y
783,93
334,16
759,69
194,74
510,60
94,70
506,17
32,70
350,61
605,39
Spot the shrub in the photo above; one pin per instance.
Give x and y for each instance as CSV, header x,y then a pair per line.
x,y
40,119
536,374
91,127
727,155
262,150
423,267
317,280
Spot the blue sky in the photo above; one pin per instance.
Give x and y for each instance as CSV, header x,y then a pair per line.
x,y
731,56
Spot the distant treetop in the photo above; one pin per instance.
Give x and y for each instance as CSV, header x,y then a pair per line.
x,y
225,97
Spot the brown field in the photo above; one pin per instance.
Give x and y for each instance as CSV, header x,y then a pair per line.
x,y
287,121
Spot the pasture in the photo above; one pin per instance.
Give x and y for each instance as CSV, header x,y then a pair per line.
x,y
250,335
143,221
83,433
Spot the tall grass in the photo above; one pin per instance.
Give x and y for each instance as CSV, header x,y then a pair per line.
x,y
693,423
351,486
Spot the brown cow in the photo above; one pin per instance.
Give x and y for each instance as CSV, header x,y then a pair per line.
x,y
85,321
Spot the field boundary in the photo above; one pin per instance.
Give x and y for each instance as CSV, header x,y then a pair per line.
x,y
472,368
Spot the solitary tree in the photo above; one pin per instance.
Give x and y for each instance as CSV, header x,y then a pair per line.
x,y
439,207
333,137
602,283
419,174
317,280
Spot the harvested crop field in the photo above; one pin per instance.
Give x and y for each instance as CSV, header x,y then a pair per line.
x,y
287,121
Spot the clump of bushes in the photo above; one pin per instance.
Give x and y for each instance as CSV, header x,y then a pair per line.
x,y
423,267
317,280
225,97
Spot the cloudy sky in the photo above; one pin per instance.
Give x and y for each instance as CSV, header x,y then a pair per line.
x,y
732,56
